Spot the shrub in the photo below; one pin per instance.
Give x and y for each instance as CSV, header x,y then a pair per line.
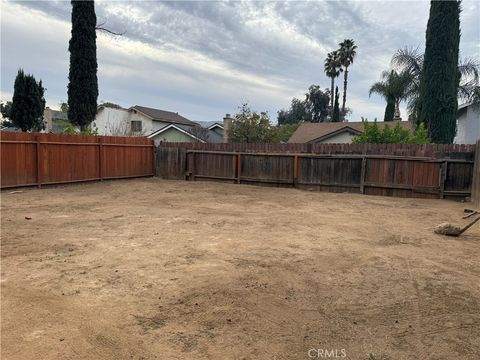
x,y
70,129
372,134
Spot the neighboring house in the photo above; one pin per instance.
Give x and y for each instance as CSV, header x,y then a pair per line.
x,y
335,132
176,133
468,124
156,124
215,131
136,120
205,132
55,120
214,126
9,128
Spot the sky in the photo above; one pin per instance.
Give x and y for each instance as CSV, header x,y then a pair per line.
x,y
204,59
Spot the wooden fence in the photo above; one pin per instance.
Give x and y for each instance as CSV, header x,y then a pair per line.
x,y
476,179
388,175
455,151
40,159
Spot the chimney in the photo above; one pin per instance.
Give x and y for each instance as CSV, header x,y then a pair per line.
x,y
227,124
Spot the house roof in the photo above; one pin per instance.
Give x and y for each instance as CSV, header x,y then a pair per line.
x,y
162,115
183,129
9,128
310,132
464,107
210,124
213,137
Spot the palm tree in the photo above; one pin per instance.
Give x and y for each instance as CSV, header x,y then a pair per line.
x,y
410,60
333,68
347,52
394,88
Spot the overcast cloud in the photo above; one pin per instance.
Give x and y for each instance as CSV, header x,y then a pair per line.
x,y
203,59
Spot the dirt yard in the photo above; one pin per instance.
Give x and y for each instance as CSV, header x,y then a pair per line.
x,y
152,269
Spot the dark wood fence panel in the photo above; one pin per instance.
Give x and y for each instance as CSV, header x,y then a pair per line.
x,y
387,175
221,166
402,177
239,147
40,159
453,151
458,178
267,169
330,174
476,178
171,163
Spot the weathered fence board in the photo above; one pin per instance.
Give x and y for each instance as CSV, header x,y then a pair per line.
x,y
453,151
476,178
41,159
170,163
387,175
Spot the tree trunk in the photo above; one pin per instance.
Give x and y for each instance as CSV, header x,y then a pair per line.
x,y
331,93
389,110
397,110
345,89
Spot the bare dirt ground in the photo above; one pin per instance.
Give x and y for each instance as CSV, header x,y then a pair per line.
x,y
152,269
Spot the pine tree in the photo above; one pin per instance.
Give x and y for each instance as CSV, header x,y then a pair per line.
x,y
440,76
28,103
336,107
83,84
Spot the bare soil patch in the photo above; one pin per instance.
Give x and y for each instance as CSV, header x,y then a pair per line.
x,y
152,269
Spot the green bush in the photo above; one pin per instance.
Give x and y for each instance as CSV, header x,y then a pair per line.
x,y
372,134
70,129
281,133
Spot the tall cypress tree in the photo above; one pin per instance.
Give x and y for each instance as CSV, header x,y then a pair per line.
x,y
440,76
83,84
28,103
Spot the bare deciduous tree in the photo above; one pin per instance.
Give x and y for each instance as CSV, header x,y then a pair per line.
x,y
200,132
124,129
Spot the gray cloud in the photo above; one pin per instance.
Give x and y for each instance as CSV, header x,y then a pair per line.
x,y
204,58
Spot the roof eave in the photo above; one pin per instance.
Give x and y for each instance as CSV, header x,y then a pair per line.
x,y
159,131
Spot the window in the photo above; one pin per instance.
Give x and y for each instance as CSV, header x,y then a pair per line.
x,y
136,126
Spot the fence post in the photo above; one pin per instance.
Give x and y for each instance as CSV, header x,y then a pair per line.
x,y
154,159
100,158
192,169
362,175
239,167
39,162
443,177
475,193
295,170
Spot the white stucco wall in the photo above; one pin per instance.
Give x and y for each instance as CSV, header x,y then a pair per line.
x,y
110,121
468,126
342,138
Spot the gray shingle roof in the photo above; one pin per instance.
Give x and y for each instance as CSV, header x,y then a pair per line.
x,y
162,115
213,137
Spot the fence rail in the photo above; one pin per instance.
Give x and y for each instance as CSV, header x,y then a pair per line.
x,y
388,175
457,151
29,159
